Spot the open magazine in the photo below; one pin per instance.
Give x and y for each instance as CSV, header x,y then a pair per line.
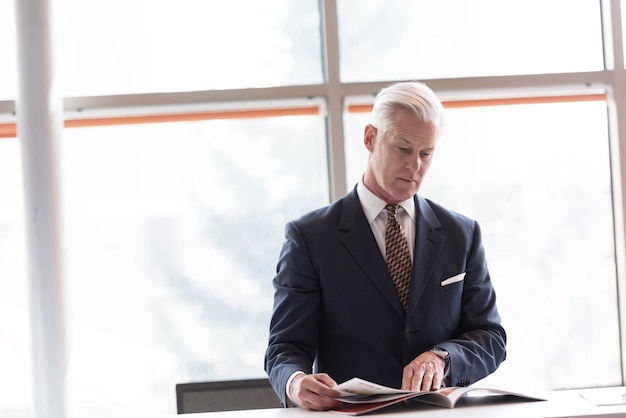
x,y
360,396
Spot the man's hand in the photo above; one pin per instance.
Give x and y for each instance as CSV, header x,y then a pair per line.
x,y
314,391
425,373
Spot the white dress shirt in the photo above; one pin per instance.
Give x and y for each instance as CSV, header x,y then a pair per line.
x,y
376,215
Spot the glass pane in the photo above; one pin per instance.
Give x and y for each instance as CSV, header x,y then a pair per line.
x,y
623,9
8,69
537,179
173,232
15,353
135,46
398,39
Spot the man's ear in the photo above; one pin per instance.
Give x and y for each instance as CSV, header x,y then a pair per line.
x,y
369,137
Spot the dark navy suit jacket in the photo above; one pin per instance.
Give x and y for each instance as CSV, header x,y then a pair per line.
x,y
336,309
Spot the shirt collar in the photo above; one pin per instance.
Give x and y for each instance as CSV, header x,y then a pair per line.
x,y
373,205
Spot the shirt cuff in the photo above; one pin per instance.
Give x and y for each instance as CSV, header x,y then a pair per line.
x,y
288,386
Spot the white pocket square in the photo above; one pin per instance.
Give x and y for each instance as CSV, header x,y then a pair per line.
x,y
453,279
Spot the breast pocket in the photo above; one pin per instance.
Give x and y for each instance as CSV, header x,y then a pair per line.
x,y
452,284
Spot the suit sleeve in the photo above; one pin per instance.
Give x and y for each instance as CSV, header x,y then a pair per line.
x,y
481,344
295,318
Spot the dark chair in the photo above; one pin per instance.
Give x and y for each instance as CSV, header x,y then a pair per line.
x,y
227,395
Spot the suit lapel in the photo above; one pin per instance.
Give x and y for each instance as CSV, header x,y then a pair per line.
x,y
361,244
428,247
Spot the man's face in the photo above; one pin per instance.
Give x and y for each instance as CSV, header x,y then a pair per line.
x,y
399,157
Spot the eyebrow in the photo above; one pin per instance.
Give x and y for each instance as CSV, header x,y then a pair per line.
x,y
402,138
406,141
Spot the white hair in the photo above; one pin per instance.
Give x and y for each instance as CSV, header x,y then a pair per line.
x,y
414,96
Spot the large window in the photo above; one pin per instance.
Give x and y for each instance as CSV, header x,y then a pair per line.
x,y
398,39
15,384
171,229
120,46
8,70
172,233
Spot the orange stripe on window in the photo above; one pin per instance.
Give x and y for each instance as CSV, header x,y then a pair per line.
x,y
192,117
8,129
455,104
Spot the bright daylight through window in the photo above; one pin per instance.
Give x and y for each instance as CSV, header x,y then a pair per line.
x,y
161,221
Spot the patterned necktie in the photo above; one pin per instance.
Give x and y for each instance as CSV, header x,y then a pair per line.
x,y
398,255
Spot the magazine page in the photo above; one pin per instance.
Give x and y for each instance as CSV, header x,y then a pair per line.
x,y
363,408
357,390
449,397
361,396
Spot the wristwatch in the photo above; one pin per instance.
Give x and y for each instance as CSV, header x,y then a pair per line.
x,y
441,353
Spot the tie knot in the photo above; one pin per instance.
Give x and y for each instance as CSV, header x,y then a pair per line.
x,y
392,209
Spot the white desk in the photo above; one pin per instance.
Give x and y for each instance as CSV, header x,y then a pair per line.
x,y
559,404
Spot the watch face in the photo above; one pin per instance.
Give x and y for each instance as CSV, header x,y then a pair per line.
x,y
441,353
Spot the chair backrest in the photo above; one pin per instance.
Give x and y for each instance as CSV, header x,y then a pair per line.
x,y
227,395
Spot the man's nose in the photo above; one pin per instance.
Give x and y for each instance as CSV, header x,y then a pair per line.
x,y
414,164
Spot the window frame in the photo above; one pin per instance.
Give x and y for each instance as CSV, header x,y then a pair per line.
x,y
609,84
